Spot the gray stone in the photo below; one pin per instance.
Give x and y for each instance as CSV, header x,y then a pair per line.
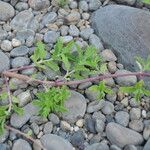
x,y
111,97
95,106
73,30
39,4
98,115
90,125
38,119
6,45
4,147
51,36
108,55
76,105
126,80
125,30
112,67
114,147
3,34
20,61
97,146
136,125
4,61
54,119
19,51
83,5
90,94
64,30
54,142
85,85
4,136
99,125
18,121
135,113
21,6
95,41
24,98
22,20
48,127
67,39
21,145
49,18
147,145
130,147
94,4
35,128
86,32
6,11
146,132
108,108
122,136
122,118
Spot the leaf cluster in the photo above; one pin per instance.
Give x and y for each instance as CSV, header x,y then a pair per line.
x,y
138,90
4,114
146,1
77,65
62,3
102,89
51,100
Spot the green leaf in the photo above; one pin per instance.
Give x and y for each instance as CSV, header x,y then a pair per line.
x,y
51,64
18,110
146,1
66,62
3,96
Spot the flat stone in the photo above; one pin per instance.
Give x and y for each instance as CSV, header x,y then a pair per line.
x,y
122,136
18,121
76,105
6,11
126,31
19,51
21,145
4,62
54,142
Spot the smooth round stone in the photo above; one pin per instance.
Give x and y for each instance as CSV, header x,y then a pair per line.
x,y
136,125
73,30
54,119
51,36
6,11
3,34
83,5
67,39
4,62
94,4
48,127
21,145
20,61
135,113
86,32
90,125
4,136
20,6
19,51
54,142
108,108
15,42
6,45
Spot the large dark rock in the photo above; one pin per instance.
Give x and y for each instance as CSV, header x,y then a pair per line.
x,y
126,31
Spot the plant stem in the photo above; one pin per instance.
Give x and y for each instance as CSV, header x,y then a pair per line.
x,y
54,83
9,94
24,135
22,68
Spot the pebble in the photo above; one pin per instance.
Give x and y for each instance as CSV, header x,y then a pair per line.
x,y
99,115
80,123
16,42
90,125
125,101
94,4
21,145
122,136
4,136
19,51
35,128
90,94
73,30
99,125
24,98
48,127
130,147
67,39
146,132
20,61
135,113
20,6
51,36
65,126
83,5
3,34
122,118
54,118
143,113
6,45
86,32
112,67
108,108
137,125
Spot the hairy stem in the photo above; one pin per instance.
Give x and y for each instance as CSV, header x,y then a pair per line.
x,y
9,94
24,135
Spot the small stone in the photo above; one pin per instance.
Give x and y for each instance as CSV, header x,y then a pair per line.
x,y
73,30
48,127
95,106
65,126
85,85
83,5
54,142
122,118
73,18
54,119
122,136
143,113
125,81
134,103
16,43
135,113
125,102
146,132
76,128
24,98
21,145
90,125
80,123
4,136
86,32
137,125
6,45
108,108
20,61
94,4
19,51
99,115
112,66
90,94
67,39
35,128
85,16
39,4
38,119
51,36
73,4
111,97
95,41
64,30
108,55
130,147
4,62
6,11
3,34
20,6
99,125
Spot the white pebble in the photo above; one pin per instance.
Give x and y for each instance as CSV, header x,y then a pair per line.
x,y
65,125
16,43
79,123
143,113
76,128
6,45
